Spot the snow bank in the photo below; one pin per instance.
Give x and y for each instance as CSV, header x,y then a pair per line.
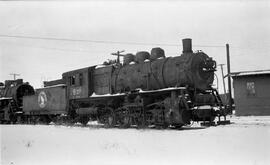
x,y
244,142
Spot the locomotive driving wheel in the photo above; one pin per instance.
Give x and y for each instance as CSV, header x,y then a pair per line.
x,y
123,117
126,121
159,116
109,118
138,116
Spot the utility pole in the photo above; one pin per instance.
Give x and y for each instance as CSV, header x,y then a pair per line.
x,y
14,75
118,55
229,77
225,95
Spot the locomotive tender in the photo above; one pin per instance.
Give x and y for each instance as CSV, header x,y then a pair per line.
x,y
145,90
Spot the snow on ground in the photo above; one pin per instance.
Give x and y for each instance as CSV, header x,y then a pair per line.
x,y
246,141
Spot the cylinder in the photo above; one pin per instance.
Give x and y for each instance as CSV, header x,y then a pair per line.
x,y
157,53
187,45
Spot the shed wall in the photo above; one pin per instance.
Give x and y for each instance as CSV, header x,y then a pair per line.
x,y
252,95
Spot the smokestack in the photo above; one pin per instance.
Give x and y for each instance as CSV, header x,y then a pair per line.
x,y
187,45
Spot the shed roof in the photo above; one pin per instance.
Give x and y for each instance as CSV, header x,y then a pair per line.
x,y
250,73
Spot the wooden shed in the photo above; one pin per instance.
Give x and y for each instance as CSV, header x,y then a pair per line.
x,y
252,92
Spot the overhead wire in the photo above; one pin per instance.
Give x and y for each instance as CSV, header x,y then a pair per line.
x,y
98,41
57,49
75,50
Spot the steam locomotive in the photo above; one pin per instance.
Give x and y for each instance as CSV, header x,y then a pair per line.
x,y
11,98
147,89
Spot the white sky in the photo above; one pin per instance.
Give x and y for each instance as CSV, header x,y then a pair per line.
x,y
245,25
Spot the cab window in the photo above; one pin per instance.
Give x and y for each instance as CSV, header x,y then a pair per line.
x,y
72,80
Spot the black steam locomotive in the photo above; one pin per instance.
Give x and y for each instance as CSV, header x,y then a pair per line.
x,y
147,89
11,99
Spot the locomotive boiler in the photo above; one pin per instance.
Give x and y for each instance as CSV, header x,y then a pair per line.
x,y
155,71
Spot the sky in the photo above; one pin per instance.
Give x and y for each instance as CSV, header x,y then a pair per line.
x,y
244,25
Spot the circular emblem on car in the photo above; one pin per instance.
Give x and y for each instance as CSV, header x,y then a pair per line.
x,y
42,99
